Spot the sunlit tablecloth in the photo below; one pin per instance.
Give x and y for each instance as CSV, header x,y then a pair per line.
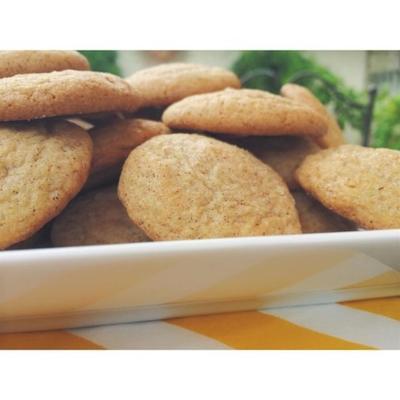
x,y
367,324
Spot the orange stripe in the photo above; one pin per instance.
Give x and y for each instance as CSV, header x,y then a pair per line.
x,y
389,307
255,330
52,340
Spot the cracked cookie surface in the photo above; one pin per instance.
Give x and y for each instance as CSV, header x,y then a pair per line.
x,y
63,93
167,83
187,186
33,61
43,165
359,183
244,112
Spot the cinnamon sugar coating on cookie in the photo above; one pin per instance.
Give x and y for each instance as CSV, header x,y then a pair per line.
x,y
359,183
244,112
167,83
33,61
43,165
63,93
187,186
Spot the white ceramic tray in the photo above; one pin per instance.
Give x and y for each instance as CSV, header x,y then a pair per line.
x,y
81,286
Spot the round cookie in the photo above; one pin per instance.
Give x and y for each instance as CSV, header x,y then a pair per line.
x,y
43,165
361,184
167,83
283,153
187,186
33,61
96,217
315,218
112,143
245,112
34,96
334,136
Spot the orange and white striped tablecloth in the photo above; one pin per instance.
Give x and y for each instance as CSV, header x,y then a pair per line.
x,y
367,324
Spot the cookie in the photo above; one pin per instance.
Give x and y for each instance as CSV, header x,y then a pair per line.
x,y
187,186
43,165
315,218
246,112
361,184
112,143
34,96
167,83
334,136
31,61
283,153
96,217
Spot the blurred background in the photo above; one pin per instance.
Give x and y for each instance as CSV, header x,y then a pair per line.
x,y
361,87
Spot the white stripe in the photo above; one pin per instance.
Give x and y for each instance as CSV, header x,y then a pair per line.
x,y
343,322
353,270
147,335
218,269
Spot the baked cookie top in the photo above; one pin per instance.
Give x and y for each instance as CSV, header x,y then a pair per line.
x,y
334,136
32,61
112,143
361,184
167,83
283,153
43,165
315,218
60,93
187,186
245,112
96,217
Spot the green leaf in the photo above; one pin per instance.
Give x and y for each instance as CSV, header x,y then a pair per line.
x,y
386,125
102,60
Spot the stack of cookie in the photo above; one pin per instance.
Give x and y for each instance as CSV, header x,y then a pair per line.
x,y
238,178
98,217
44,159
335,186
177,151
279,131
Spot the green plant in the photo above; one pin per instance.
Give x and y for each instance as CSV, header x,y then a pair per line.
x,y
287,66
386,126
102,60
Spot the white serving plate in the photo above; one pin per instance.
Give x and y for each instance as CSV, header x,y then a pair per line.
x,y
81,286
